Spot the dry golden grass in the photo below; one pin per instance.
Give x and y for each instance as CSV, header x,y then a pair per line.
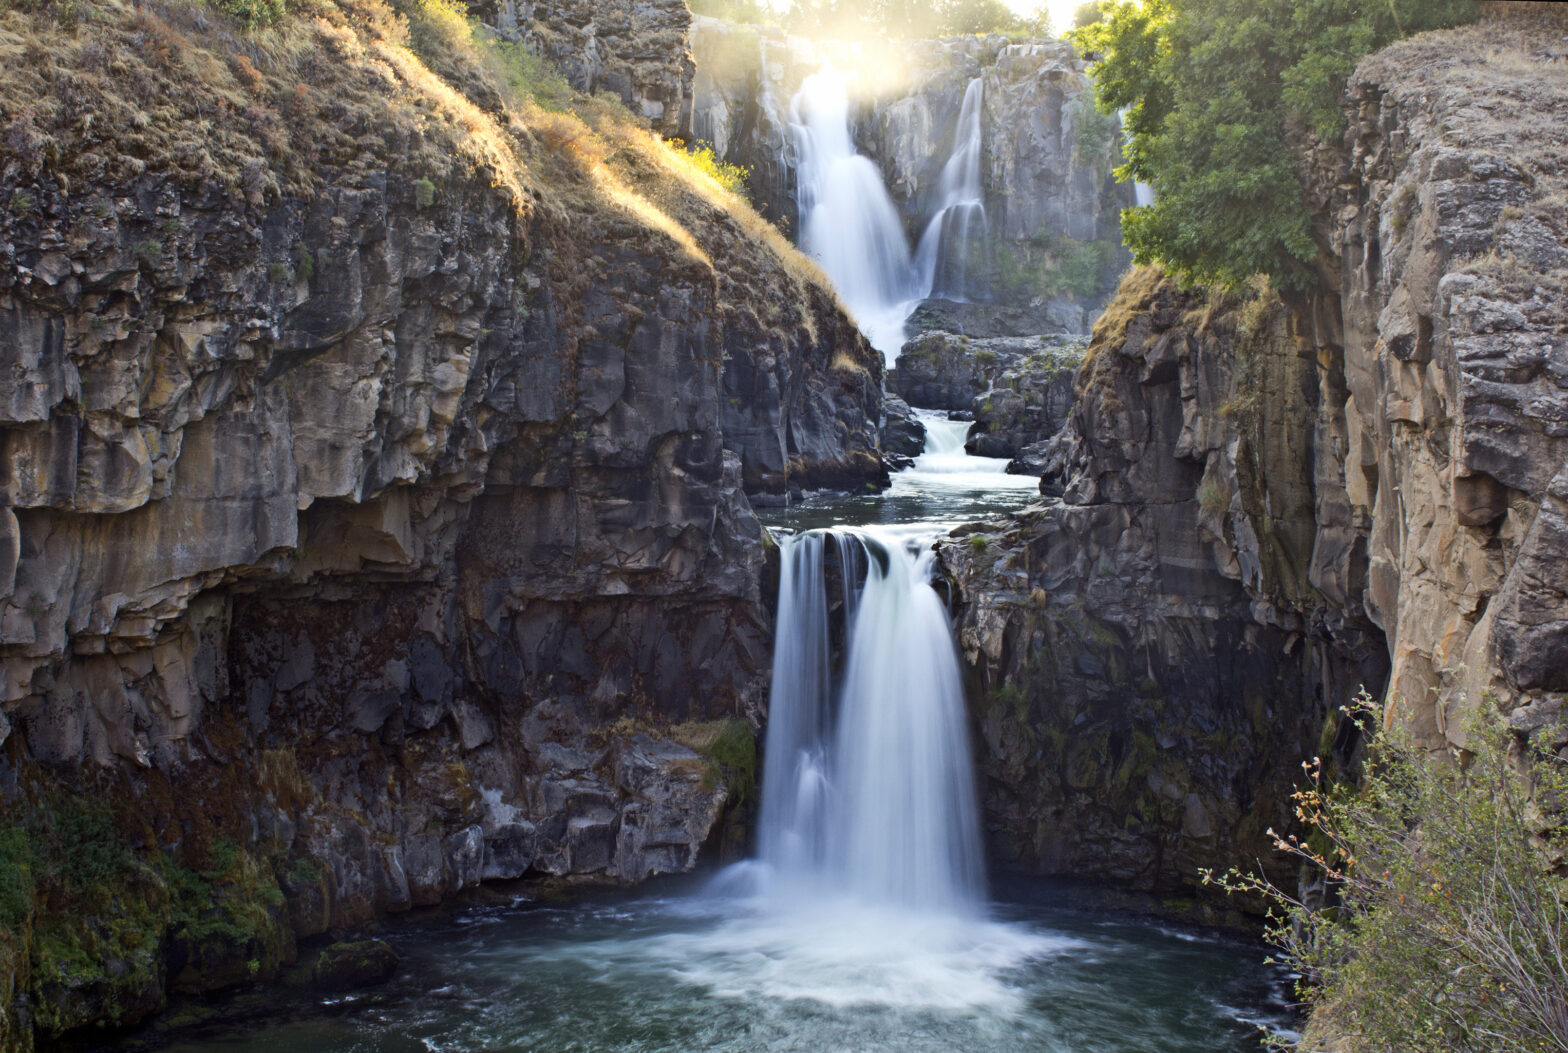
x,y
342,90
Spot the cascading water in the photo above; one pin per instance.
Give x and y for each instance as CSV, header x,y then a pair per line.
x,y
847,220
878,803
956,233
849,223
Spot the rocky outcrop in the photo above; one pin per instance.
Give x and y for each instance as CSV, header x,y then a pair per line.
x,y
1053,207
1027,403
1265,505
945,371
1147,661
1448,368
637,50
374,524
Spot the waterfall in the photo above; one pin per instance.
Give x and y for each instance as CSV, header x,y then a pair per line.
x,y
957,231
849,223
868,790
847,220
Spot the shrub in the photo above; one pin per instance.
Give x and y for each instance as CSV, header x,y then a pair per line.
x,y
733,752
254,14
701,157
1443,928
531,76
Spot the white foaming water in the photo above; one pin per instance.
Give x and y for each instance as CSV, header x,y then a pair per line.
x,y
847,220
957,231
869,887
851,226
945,465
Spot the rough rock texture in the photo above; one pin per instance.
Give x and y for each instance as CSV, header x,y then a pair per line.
x,y
984,320
1265,505
1147,660
1046,156
366,543
638,50
903,435
1028,402
944,371
1446,360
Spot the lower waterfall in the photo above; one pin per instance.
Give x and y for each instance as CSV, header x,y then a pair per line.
x,y
868,787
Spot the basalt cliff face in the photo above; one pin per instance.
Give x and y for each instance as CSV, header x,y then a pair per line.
x,y
1052,206
374,460
1258,506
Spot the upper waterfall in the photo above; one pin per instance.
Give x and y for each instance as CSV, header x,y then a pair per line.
x,y
950,239
849,223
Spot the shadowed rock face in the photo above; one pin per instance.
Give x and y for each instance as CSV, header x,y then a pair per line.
x,y
1264,506
1147,663
392,540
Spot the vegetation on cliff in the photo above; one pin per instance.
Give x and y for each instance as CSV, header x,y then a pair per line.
x,y
1427,920
1218,94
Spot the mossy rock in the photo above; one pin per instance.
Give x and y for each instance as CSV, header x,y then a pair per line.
x,y
360,963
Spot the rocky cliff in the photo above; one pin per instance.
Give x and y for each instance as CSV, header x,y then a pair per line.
x,y
1262,505
1052,206
637,50
374,448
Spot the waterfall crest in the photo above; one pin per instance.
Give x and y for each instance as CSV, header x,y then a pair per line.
x,y
869,789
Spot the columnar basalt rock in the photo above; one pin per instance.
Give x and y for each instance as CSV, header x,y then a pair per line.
x,y
370,541
1147,661
1260,506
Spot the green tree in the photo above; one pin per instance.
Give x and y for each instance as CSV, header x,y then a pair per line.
x,y
1218,93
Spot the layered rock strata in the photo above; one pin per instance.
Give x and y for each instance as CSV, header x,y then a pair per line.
x,y
375,523
1265,505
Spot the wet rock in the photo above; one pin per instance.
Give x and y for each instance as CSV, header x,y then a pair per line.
x,y
1027,403
345,966
902,433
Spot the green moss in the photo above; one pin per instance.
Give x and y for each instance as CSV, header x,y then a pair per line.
x,y
733,755
424,194
16,876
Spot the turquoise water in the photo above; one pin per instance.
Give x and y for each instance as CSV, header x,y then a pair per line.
x,y
687,971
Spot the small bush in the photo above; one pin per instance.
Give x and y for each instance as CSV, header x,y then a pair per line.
x,y
530,76
700,156
733,752
254,14
1443,927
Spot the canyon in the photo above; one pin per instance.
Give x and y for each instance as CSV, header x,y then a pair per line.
x,y
381,465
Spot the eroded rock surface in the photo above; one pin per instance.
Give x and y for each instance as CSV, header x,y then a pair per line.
x,y
372,541
1266,505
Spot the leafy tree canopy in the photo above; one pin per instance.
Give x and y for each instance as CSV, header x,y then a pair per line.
x,y
1213,91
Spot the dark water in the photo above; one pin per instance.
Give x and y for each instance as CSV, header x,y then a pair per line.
x,y
689,972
